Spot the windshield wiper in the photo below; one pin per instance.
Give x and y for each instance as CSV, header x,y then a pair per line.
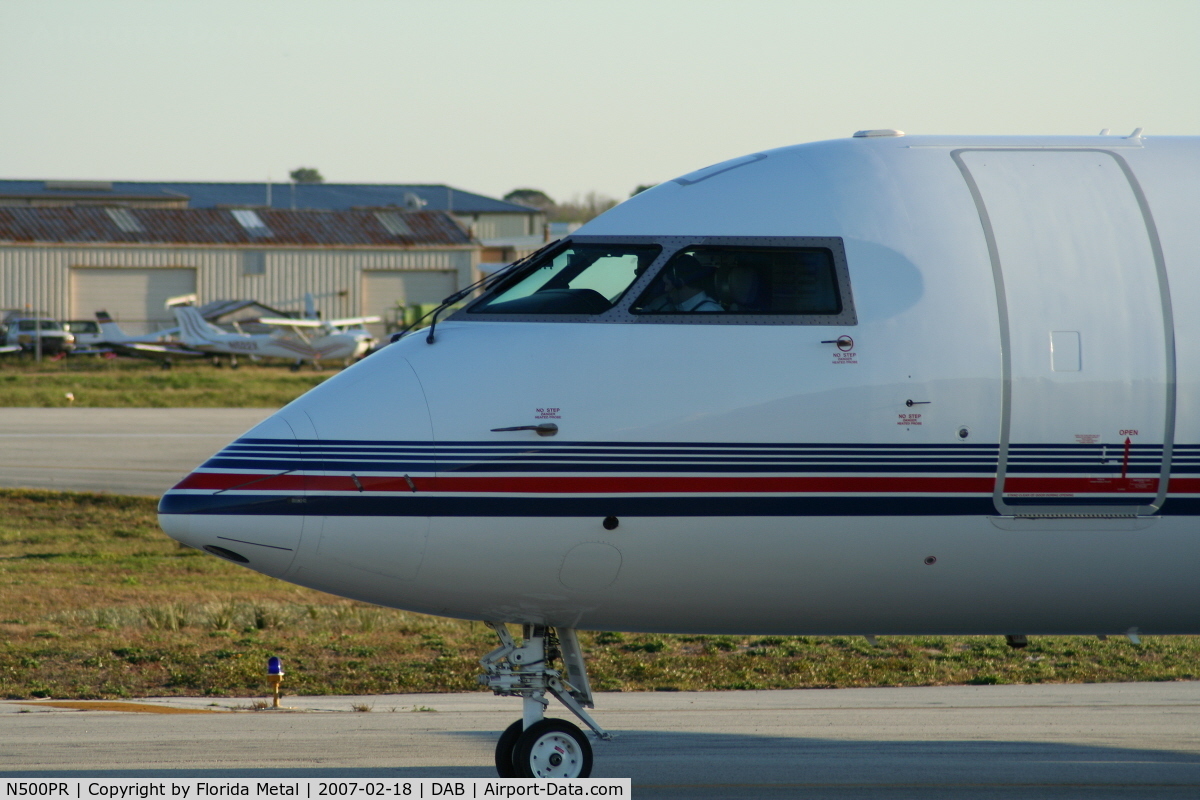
x,y
486,282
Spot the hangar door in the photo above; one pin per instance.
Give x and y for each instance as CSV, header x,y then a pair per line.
x,y
1090,411
135,297
385,290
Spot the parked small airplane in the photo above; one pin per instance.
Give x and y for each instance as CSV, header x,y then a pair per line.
x,y
878,385
300,339
156,346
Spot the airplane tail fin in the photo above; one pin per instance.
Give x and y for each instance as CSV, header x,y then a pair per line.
x,y
193,328
111,330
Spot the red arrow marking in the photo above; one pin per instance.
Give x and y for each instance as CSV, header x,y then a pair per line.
x,y
1125,463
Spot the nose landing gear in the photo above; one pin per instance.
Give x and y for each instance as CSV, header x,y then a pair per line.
x,y
534,746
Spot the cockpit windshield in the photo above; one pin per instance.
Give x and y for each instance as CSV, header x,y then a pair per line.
x,y
577,279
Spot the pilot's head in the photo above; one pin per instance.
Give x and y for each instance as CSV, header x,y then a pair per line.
x,y
685,270
739,285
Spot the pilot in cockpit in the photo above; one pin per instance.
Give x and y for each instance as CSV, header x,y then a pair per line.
x,y
684,282
740,288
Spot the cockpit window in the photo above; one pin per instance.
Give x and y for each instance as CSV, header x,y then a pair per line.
x,y
676,280
744,281
578,279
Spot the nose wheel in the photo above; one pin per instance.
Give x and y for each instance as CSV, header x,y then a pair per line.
x,y
551,748
534,746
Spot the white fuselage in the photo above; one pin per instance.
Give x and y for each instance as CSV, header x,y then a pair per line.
x,y
1000,436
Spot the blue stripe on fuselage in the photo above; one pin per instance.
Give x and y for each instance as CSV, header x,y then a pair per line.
x,y
417,505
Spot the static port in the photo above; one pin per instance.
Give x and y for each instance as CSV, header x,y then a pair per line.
x,y
930,560
611,523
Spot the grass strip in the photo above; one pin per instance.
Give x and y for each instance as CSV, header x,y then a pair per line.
x,y
91,382
99,604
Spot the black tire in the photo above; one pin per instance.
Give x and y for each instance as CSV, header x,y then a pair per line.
x,y
552,748
504,749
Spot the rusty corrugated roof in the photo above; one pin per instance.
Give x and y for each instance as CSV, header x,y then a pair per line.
x,y
284,196
210,226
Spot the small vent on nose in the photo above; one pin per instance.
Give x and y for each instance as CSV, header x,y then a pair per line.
x,y
228,554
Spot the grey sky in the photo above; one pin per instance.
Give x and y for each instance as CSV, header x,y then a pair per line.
x,y
566,97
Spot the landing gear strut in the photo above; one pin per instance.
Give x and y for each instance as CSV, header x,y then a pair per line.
x,y
534,746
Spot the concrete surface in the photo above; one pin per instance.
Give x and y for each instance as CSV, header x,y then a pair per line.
x,y
1089,741
137,451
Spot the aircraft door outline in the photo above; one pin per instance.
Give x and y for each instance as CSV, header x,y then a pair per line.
x,y
1017,326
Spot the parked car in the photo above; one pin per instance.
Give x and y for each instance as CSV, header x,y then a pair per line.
x,y
26,331
86,332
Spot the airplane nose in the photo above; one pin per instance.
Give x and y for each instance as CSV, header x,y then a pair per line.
x,y
246,503
332,478
369,505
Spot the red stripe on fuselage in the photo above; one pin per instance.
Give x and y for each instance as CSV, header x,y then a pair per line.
x,y
1080,485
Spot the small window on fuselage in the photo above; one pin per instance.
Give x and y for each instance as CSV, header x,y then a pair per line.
x,y
736,280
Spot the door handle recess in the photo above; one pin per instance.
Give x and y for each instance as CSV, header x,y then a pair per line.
x,y
545,429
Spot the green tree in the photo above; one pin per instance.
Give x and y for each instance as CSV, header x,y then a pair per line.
x,y
641,187
582,209
306,175
534,198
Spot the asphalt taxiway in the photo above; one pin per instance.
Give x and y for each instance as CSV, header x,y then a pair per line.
x,y
1093,741
135,451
